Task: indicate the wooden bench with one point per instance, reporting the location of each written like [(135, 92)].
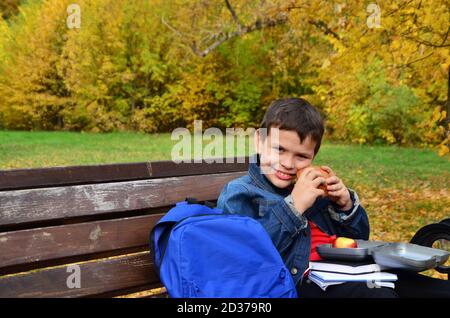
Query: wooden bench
[(95, 219), (98, 219)]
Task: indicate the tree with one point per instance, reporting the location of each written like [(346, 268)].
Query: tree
[(32, 93), (156, 65)]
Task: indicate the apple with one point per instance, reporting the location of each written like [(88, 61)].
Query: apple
[(324, 174), (344, 242)]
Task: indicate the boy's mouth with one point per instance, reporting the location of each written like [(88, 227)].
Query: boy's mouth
[(283, 176)]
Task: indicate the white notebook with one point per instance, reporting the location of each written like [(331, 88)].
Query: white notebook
[(324, 285), (327, 277), (346, 268)]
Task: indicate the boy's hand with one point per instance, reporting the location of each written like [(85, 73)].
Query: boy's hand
[(337, 191), (306, 190)]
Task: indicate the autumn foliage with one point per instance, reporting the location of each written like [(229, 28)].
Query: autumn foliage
[(156, 65)]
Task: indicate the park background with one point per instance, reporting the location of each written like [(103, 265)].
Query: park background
[(106, 81)]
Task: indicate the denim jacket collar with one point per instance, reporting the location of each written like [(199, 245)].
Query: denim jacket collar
[(254, 171)]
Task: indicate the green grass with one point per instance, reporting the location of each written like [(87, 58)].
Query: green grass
[(46, 149)]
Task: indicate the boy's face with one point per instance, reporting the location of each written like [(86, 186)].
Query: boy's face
[(282, 154)]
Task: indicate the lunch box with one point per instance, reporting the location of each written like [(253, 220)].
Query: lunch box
[(404, 256), (360, 253), (409, 256)]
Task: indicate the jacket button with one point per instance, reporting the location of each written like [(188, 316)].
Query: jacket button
[(294, 271)]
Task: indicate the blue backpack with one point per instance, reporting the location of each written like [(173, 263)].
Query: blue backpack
[(201, 252)]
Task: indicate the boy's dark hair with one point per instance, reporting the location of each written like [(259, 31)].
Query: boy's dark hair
[(295, 114)]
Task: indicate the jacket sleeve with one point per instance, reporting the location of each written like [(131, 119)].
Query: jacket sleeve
[(352, 223), (282, 225)]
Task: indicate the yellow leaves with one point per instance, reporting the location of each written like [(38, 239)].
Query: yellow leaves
[(396, 214), (388, 136), (421, 68), (393, 5), (409, 10), (337, 44), (326, 63), (444, 146), (362, 140), (438, 115), (363, 40), (127, 76), (443, 150), (396, 44)]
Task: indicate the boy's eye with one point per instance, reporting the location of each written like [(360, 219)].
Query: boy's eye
[(277, 149)]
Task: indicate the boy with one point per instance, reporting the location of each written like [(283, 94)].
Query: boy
[(297, 216)]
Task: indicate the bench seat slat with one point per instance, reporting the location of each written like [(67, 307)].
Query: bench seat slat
[(97, 277), (24, 206), (42, 244)]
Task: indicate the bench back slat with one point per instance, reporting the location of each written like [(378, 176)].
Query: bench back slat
[(23, 206), (15, 179)]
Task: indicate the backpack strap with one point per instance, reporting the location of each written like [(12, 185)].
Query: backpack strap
[(160, 233), (209, 204)]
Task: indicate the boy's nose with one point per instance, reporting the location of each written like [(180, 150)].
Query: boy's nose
[(287, 163)]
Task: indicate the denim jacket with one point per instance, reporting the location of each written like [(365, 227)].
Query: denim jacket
[(255, 196)]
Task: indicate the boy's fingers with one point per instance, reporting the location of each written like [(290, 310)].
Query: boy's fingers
[(329, 170), (336, 194), (318, 181), (333, 196), (320, 192), (310, 174), (314, 175), (306, 171), (334, 187), (333, 180)]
